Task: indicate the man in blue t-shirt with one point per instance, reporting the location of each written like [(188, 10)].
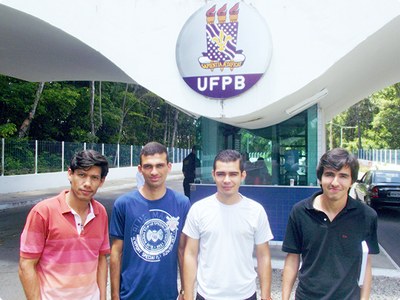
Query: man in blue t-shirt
[(328, 231), (146, 226)]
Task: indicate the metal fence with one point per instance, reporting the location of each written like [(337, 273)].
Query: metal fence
[(387, 156), (31, 157)]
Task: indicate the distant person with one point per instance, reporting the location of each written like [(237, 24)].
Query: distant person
[(249, 167), (263, 176), (327, 230), (222, 232), (145, 228), (189, 166), (65, 239)]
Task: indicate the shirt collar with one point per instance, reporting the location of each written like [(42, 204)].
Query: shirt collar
[(66, 209), (350, 204)]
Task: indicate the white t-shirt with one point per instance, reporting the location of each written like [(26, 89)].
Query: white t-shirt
[(227, 235)]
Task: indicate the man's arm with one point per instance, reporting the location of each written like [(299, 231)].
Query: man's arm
[(115, 267), (264, 269), (190, 267), (366, 287), (181, 250), (29, 278), (102, 276), (292, 263)]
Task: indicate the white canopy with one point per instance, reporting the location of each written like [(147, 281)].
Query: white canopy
[(333, 53)]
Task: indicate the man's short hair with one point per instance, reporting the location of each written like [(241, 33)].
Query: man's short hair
[(229, 155), (153, 148), (88, 158), (336, 159)]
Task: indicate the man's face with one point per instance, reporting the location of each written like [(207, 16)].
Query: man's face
[(336, 184), (154, 169), (227, 177), (84, 183)]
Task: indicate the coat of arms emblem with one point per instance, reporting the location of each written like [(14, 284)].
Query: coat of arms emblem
[(221, 37)]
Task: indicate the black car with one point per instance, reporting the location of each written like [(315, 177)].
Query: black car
[(379, 188)]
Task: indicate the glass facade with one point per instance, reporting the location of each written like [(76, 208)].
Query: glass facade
[(282, 154)]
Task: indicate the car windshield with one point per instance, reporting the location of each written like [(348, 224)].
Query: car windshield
[(387, 177)]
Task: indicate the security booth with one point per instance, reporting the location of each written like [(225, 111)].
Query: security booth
[(280, 162)]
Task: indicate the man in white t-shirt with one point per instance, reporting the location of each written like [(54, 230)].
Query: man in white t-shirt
[(223, 230)]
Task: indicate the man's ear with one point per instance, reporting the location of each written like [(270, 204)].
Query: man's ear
[(69, 174), (244, 174), (102, 181)]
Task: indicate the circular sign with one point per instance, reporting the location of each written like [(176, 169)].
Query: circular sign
[(223, 49)]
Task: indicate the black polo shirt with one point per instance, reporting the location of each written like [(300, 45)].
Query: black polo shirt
[(330, 251)]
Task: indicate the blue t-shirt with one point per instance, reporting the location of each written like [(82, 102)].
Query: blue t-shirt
[(150, 231)]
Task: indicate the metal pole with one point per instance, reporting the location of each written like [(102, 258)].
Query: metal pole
[(117, 155), (3, 144), (131, 155), (341, 137), (36, 156), (62, 156)]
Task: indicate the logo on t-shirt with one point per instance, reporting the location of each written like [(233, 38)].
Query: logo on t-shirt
[(156, 236)]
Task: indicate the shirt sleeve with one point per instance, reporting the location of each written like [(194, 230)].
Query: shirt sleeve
[(105, 247), (191, 228), (33, 236), (117, 223), (291, 240), (372, 240), (263, 233)]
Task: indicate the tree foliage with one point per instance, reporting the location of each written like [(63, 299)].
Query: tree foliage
[(376, 120), (105, 112), (110, 113)]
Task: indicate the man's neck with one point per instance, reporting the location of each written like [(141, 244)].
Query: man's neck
[(229, 200), (153, 193), (330, 208), (81, 207)]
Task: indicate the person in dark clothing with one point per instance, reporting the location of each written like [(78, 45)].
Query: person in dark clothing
[(332, 235), (189, 165)]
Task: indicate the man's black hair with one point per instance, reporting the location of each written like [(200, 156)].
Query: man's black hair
[(88, 158), (336, 159), (153, 148), (229, 155)]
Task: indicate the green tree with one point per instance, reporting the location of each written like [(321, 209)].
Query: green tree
[(385, 127), (105, 112), (376, 119)]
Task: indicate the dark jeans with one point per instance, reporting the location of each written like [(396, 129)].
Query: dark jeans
[(200, 297), (186, 185)]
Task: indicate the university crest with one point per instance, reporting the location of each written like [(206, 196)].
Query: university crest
[(221, 37)]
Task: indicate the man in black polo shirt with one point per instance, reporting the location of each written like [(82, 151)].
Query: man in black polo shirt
[(328, 230)]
